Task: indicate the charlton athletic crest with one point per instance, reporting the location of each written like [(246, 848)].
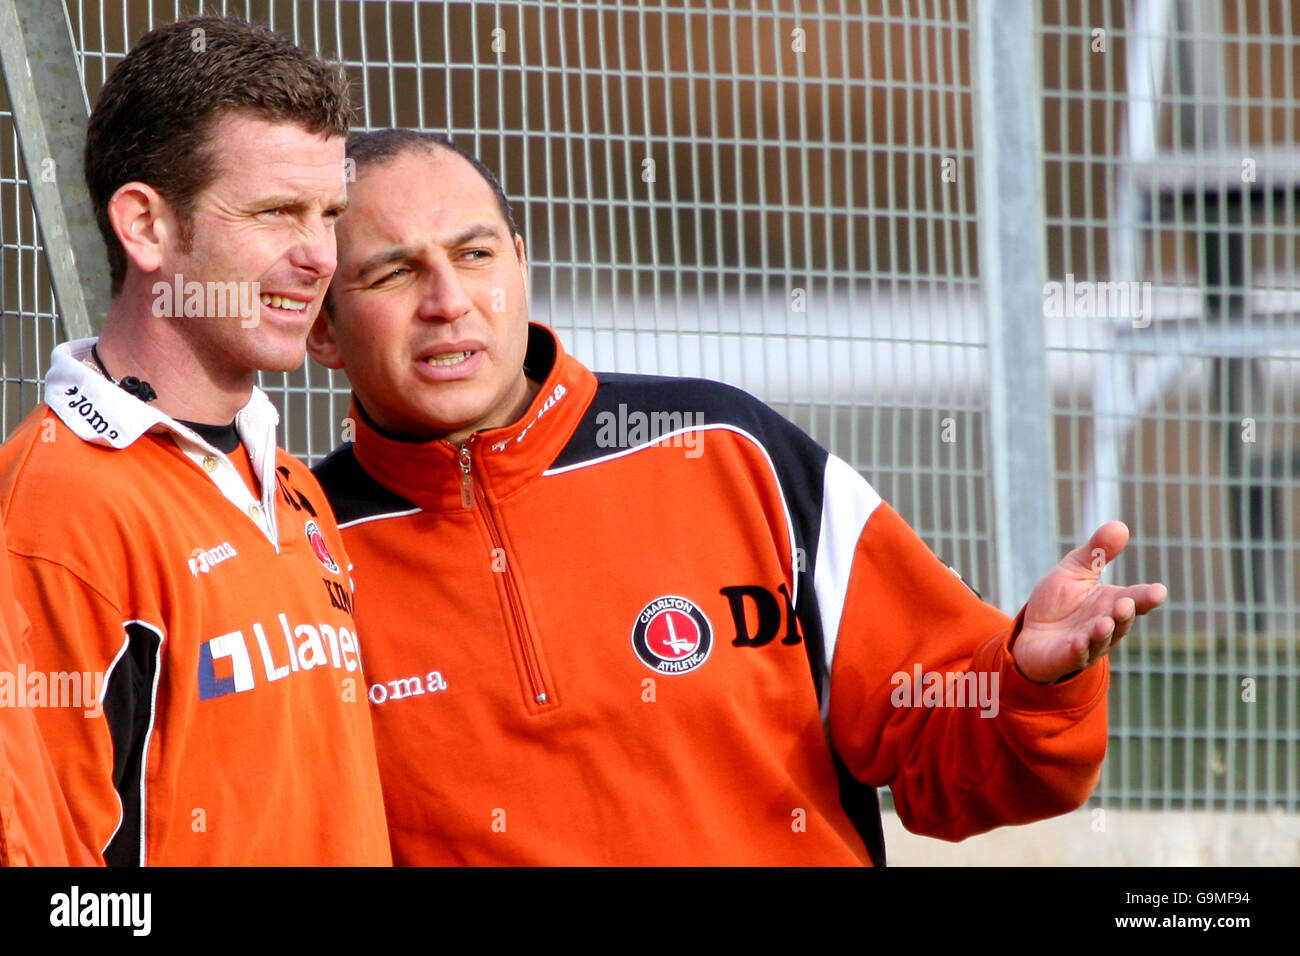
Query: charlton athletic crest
[(317, 542), (672, 636)]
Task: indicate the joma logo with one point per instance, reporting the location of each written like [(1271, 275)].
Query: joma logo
[(83, 407), (430, 683), (201, 562)]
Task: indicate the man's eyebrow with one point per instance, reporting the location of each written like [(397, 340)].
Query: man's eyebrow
[(398, 253), (277, 201), (295, 202), (479, 231), (385, 257)]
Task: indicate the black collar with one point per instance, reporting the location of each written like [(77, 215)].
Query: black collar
[(224, 438)]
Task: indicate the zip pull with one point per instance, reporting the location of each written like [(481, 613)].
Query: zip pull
[(466, 479)]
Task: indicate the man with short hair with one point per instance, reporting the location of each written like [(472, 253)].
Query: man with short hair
[(622, 619), (161, 542)]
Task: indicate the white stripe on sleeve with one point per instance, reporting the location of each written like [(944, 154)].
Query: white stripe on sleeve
[(847, 502)]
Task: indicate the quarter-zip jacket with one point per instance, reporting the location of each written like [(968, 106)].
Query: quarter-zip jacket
[(229, 725), (665, 627)]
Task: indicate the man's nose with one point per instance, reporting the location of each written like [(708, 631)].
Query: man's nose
[(443, 296), (316, 250)]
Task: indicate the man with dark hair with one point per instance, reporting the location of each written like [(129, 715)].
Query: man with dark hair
[(157, 118), (384, 144), (162, 544), (634, 620)]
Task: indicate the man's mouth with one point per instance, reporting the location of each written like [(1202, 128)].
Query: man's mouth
[(447, 358), (283, 302)]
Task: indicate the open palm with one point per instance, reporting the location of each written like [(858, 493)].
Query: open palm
[(1072, 620)]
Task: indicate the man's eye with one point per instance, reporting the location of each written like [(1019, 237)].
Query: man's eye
[(392, 274)]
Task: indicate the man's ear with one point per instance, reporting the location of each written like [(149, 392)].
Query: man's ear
[(523, 262), (320, 341), (144, 223)]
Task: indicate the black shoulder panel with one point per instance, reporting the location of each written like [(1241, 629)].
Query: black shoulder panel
[(352, 493)]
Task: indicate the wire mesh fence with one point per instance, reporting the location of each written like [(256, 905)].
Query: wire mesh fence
[(29, 330), (780, 200), (785, 199), (1173, 174)]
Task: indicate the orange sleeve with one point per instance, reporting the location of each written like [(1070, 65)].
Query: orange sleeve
[(926, 699), (36, 828), (75, 630)]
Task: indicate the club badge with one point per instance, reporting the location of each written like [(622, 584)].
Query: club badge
[(317, 542), (672, 636)]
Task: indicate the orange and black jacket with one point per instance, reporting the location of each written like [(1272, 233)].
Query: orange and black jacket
[(652, 622), (229, 725)]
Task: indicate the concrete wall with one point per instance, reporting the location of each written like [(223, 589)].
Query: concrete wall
[(1097, 837)]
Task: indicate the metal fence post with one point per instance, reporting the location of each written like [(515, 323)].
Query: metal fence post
[(50, 111), (1011, 236)]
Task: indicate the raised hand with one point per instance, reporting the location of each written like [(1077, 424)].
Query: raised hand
[(1072, 620)]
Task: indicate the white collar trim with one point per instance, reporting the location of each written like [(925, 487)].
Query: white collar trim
[(100, 412)]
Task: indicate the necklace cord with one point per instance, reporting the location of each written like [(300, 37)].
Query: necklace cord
[(131, 385)]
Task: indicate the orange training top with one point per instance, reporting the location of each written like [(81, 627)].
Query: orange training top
[(652, 622), (216, 623), (35, 826)]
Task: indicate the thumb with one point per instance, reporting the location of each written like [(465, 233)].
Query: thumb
[(1105, 545)]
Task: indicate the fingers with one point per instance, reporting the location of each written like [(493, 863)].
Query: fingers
[(1101, 637), (1144, 597), (1110, 629), (1105, 632), (1123, 615), (1153, 597)]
